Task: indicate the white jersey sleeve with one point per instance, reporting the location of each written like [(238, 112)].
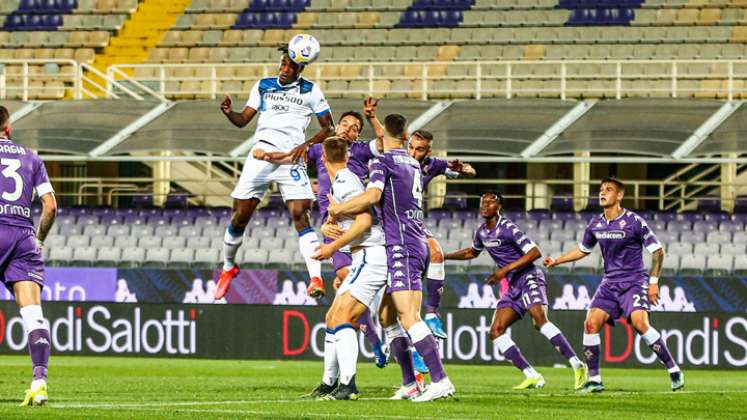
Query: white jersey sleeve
[(318, 102), (255, 98)]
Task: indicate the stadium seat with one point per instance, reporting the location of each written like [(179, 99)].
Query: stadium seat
[(78, 241), (60, 256), (206, 258), (183, 257), (255, 256), (198, 242), (84, 256), (156, 257), (719, 265), (147, 242), (692, 264), (108, 257), (588, 265)]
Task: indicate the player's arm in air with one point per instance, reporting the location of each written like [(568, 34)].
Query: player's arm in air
[(459, 169), (369, 111), (584, 248), (468, 253), (279, 158), (240, 119), (362, 223)]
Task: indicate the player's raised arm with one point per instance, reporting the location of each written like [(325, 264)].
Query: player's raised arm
[(369, 110), (239, 119), (280, 158), (462, 169), (363, 222)]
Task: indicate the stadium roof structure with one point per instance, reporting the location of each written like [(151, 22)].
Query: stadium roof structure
[(489, 130)]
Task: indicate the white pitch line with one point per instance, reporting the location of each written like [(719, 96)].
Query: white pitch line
[(191, 403)]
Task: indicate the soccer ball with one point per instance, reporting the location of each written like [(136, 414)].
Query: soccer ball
[(303, 49)]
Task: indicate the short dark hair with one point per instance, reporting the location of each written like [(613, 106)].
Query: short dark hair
[(4, 117), (354, 114), (335, 149), (395, 125), (613, 180), (424, 134), (498, 196), (284, 53)]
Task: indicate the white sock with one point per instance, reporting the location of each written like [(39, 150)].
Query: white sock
[(37, 383), (550, 330), (393, 331), (436, 271), (430, 315), (651, 336), (33, 318), (347, 355), (331, 368), (531, 373), (308, 241), (419, 332), (231, 243)]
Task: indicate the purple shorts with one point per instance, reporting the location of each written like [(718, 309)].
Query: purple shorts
[(526, 291), (622, 297), (407, 264), (339, 259), (20, 259)]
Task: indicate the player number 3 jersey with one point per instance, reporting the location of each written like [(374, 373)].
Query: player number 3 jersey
[(285, 110), (21, 172)]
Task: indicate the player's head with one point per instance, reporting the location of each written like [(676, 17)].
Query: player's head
[(4, 121), (350, 126), (289, 70), (419, 145), (490, 204), (334, 152), (611, 192), (395, 126)]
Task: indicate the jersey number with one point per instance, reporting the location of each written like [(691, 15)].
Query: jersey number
[(417, 188), (11, 171)]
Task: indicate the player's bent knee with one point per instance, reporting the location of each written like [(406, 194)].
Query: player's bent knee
[(592, 327), (497, 330)]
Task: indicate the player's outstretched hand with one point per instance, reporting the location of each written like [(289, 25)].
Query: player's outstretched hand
[(653, 294), (332, 208), (299, 152), (456, 165), (548, 261), (225, 106), (369, 107), (331, 230), (260, 154), (324, 252)]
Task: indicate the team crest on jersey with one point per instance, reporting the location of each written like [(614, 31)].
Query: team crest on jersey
[(622, 224)]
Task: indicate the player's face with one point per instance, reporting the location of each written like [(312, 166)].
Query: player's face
[(348, 128), (418, 148), (289, 71), (609, 195), (489, 206)]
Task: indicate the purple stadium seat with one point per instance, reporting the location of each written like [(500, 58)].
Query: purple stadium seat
[(539, 214), (690, 216), (439, 214), (110, 219), (134, 219), (88, 220), (731, 226), (260, 5), (665, 216), (151, 211), (720, 216), (125, 212), (456, 200), (705, 226), (159, 220), (246, 20)]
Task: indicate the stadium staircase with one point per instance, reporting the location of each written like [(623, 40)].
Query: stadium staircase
[(141, 32)]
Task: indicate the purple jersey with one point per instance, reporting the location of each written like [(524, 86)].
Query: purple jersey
[(21, 172), (359, 152), (432, 167), (621, 241), (505, 243), (397, 175)]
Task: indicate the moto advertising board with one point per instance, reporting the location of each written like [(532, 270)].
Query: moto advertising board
[(696, 340)]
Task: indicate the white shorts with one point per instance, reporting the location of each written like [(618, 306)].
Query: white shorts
[(256, 176), (367, 276)]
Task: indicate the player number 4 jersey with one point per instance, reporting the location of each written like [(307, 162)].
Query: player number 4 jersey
[(285, 110), (345, 187)]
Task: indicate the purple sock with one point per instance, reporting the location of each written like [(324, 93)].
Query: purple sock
[(517, 359), (400, 348), (428, 349), (562, 346), (591, 353), (367, 327), (661, 350), (435, 289), (39, 346)]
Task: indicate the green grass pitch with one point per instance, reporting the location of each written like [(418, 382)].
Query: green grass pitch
[(108, 387)]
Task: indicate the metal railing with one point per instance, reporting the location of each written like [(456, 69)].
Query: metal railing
[(105, 191), (455, 79)]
